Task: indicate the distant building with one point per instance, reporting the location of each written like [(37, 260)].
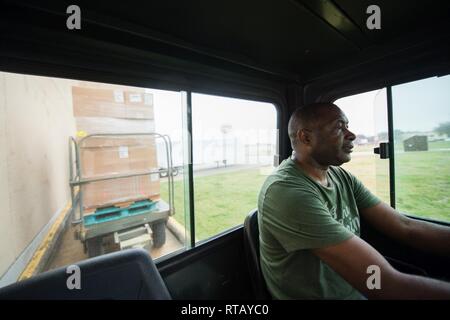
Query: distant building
[(416, 143), (361, 140)]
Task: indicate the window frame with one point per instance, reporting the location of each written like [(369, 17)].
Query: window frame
[(391, 141)]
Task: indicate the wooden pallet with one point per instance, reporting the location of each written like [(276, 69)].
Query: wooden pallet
[(123, 204), (113, 213)]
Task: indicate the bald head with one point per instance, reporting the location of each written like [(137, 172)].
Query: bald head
[(307, 117)]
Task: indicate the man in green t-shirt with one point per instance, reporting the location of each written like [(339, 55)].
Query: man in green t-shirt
[(308, 213)]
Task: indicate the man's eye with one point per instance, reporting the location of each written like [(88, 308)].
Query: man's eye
[(342, 125)]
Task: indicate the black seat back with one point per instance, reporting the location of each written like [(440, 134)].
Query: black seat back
[(251, 244), (128, 274)]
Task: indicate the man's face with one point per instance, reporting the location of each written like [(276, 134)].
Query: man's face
[(331, 142)]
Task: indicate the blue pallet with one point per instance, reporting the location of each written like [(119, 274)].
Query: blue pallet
[(112, 213)]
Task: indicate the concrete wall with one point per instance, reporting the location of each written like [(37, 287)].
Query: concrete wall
[(36, 120)]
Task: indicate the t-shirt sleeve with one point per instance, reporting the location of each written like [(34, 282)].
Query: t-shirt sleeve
[(363, 197), (299, 219)]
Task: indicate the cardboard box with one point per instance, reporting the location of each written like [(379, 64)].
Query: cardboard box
[(124, 104), (116, 157), (110, 192), (102, 161), (101, 108)]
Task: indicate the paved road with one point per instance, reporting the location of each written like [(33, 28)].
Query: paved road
[(214, 170)]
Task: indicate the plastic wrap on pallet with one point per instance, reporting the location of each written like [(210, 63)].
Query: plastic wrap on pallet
[(107, 109), (92, 125), (117, 141)]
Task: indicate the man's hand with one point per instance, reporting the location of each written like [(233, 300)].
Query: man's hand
[(421, 235), (351, 259)]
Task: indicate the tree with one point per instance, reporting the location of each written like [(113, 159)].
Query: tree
[(443, 128)]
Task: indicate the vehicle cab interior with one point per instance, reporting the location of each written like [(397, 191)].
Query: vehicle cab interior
[(277, 54)]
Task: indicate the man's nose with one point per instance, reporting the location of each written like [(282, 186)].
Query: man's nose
[(350, 135)]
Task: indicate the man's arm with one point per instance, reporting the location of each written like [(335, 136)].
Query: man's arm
[(421, 235), (351, 258)]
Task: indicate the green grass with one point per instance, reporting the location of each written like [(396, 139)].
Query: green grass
[(422, 179), (221, 201), (422, 188), (423, 183), (439, 145)]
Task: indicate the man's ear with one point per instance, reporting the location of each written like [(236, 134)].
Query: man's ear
[(304, 136)]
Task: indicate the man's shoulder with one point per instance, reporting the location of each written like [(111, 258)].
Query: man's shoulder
[(339, 170), (285, 181), (342, 174)]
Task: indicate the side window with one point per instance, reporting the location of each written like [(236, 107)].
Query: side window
[(421, 124), (84, 169), (109, 143), (367, 115), (234, 146), (421, 117)]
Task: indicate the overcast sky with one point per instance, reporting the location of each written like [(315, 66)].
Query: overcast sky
[(417, 106), (246, 119)]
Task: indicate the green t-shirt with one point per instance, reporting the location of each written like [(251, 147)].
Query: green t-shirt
[(297, 214)]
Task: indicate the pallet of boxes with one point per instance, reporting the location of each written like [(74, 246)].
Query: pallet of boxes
[(124, 210)]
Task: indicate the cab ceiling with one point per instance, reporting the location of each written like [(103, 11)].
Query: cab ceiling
[(297, 41)]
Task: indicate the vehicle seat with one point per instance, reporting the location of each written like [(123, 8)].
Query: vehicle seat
[(128, 274), (251, 245)]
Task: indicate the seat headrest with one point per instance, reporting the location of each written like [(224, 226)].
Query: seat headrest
[(128, 274)]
